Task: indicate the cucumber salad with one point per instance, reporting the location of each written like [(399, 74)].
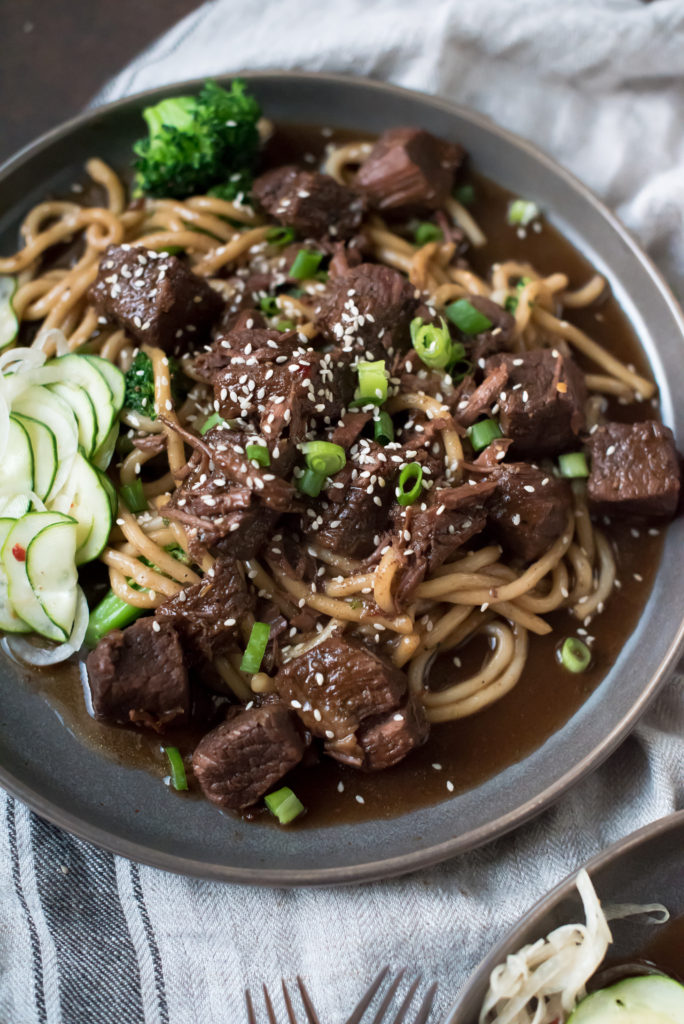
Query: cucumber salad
[(58, 428), (545, 982)]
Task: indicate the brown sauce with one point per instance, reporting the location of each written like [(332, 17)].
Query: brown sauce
[(473, 749), (663, 954)]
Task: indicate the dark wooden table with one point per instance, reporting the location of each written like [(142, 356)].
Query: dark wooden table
[(54, 56)]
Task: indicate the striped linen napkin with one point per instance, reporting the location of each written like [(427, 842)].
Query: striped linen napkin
[(88, 938)]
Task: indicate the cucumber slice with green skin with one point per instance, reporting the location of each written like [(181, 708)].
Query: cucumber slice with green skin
[(42, 404), (9, 620), (58, 565), (44, 445), (16, 468), (648, 999), (51, 570), (9, 325), (88, 501), (81, 404), (12, 506), (110, 490), (114, 377), (103, 456), (80, 372)]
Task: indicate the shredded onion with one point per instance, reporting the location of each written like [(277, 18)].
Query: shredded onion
[(46, 339), (40, 657)]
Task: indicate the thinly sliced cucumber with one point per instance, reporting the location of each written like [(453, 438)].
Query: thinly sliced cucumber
[(81, 404), (647, 999), (51, 570), (9, 620), (12, 506), (110, 490), (44, 445), (9, 325), (103, 456), (114, 377), (16, 468), (87, 499), (80, 372), (59, 554), (42, 404)]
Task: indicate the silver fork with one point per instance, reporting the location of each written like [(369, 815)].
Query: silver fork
[(387, 1005), (311, 1014)]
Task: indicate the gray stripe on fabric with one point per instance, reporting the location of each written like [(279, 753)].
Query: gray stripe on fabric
[(36, 957), (99, 974), (152, 943)]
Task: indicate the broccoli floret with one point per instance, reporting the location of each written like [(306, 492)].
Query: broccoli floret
[(199, 143), (139, 378)]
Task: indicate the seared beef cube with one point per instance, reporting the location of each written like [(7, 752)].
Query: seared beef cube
[(313, 204), (409, 169), (239, 340), (337, 684), (206, 614), (498, 337), (367, 311), (542, 405), (138, 675), (634, 470), (529, 510), (386, 741), (240, 760), (155, 297)]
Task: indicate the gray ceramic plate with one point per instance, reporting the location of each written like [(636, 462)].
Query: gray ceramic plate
[(645, 867), (125, 810)]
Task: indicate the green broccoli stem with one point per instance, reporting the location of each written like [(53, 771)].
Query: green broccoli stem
[(111, 613)]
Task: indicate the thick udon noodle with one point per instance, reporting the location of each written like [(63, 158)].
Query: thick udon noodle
[(477, 593)]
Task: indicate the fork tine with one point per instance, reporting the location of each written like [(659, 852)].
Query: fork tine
[(403, 1009), (269, 1008), (366, 998), (426, 1006), (288, 1004), (389, 996), (251, 1018), (308, 1005)]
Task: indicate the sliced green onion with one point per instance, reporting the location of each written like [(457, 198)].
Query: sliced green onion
[(372, 382), (573, 465), (133, 496), (280, 236), (511, 303), (383, 428), (324, 457), (295, 293), (305, 265), (410, 484), (522, 212), (284, 805), (482, 433), (111, 613), (256, 648), (311, 482), (433, 344), (321, 275), (426, 232), (213, 421), (179, 779), (467, 318), (268, 305), (260, 454), (575, 655), (285, 325), (464, 194)]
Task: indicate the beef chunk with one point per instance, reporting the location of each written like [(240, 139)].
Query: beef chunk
[(155, 297), (542, 406), (634, 470), (367, 311), (239, 761), (382, 742), (409, 169), (498, 337), (138, 675), (336, 685), (313, 204), (202, 615), (529, 509), (239, 340)]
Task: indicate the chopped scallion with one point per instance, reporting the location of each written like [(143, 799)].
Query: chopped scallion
[(284, 805), (372, 382), (383, 428), (426, 232), (256, 648), (179, 779), (511, 303), (482, 433), (285, 325), (311, 482), (575, 655), (111, 613), (305, 265), (410, 484), (280, 236), (573, 465), (213, 421), (324, 457), (133, 496), (467, 318), (434, 345), (268, 305), (464, 194), (258, 453), (522, 212)]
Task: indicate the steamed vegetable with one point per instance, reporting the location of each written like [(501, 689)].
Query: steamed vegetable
[(198, 144)]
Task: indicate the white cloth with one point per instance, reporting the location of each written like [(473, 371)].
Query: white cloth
[(599, 85)]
